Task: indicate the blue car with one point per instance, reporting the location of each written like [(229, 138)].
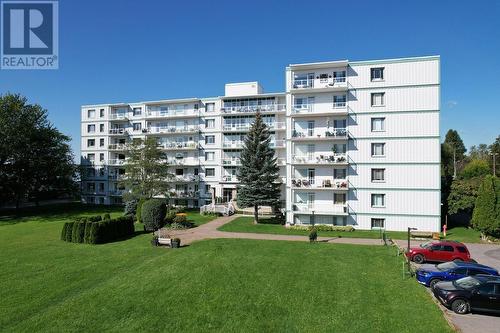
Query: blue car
[(429, 275)]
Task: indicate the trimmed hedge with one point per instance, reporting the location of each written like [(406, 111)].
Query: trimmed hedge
[(95, 230), (138, 213), (153, 214)]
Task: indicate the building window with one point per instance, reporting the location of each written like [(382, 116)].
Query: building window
[(210, 107), (339, 101), (91, 158), (101, 113), (323, 78), (91, 187), (377, 74), (378, 99), (210, 139), (91, 128), (101, 187), (90, 143), (378, 175), (90, 113), (378, 200), (101, 157), (179, 172), (339, 198), (210, 172), (137, 126), (339, 148), (209, 156), (196, 171), (101, 128), (209, 123), (378, 223), (101, 142), (378, 124), (137, 111), (339, 173), (378, 149)]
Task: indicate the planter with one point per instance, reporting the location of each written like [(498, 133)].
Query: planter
[(175, 243)]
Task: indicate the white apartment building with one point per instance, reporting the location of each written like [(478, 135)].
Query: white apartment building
[(357, 143)]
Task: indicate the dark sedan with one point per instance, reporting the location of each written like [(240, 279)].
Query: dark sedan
[(480, 293)]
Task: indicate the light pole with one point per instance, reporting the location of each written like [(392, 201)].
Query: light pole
[(409, 231), (494, 163)]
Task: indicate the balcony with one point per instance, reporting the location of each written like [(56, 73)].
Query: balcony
[(116, 162), (231, 161), (184, 194), (117, 146), (186, 178), (325, 184), (233, 144), (179, 146), (333, 134), (278, 144), (183, 161), (230, 179), (118, 116), (306, 110), (249, 109), (320, 209), (116, 177), (156, 113), (116, 192), (245, 127), (313, 159), (323, 84), (173, 130), (118, 131)]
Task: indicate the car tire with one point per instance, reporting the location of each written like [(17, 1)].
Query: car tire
[(418, 258), (433, 282), (460, 306)]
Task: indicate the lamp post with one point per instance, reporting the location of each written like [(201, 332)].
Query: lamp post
[(494, 163), (409, 231)]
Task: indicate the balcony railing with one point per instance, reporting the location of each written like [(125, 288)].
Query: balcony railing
[(318, 83), (116, 192), (254, 108), (232, 144), (116, 177), (118, 131), (152, 113), (173, 130), (116, 161), (179, 145), (278, 144), (118, 116), (334, 133), (229, 178), (231, 161), (307, 183), (320, 209), (320, 159), (312, 108), (187, 178), (246, 127), (183, 161), (117, 146), (184, 194)]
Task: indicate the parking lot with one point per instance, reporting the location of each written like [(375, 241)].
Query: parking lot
[(486, 254)]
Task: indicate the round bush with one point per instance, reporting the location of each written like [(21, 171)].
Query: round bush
[(180, 219), (153, 214), (131, 207)]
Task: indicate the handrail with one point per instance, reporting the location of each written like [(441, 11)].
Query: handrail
[(254, 108)]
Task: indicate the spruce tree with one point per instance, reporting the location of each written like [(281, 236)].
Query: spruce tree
[(485, 217), (259, 172)]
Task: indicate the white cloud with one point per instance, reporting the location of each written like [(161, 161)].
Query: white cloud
[(451, 104)]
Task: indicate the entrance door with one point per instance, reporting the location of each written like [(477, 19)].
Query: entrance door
[(227, 194)]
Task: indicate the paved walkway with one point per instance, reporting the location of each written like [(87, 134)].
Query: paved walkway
[(209, 231)]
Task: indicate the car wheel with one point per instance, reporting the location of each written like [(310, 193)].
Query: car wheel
[(433, 282), (460, 306), (418, 258)]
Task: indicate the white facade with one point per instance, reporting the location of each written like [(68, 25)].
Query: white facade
[(357, 143)]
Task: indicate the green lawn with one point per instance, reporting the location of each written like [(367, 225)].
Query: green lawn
[(194, 216), (217, 285)]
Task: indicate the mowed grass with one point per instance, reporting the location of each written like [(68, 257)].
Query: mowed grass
[(218, 285), (194, 216)]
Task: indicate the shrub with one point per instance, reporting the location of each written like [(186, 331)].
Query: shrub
[(86, 233), (486, 215), (180, 219), (153, 214), (177, 226), (131, 207), (78, 232), (138, 214), (69, 231), (169, 218), (107, 217), (110, 230), (313, 235), (63, 231), (95, 218), (180, 209)]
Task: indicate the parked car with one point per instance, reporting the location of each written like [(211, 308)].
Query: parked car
[(439, 251), (429, 274), (480, 293)]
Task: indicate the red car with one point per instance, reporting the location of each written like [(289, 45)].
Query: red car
[(439, 251)]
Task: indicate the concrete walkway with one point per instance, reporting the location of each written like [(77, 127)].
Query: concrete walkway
[(209, 231)]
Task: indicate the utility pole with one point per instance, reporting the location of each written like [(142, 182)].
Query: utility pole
[(494, 163)]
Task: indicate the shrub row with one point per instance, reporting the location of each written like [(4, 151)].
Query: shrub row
[(322, 227), (95, 230)]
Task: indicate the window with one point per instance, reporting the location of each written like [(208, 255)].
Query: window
[(210, 172), (90, 143), (475, 271), (378, 124), (91, 187), (137, 126), (378, 200), (461, 249), (179, 172), (101, 187), (91, 128), (209, 156), (210, 107), (323, 78), (378, 149), (378, 99), (90, 113), (101, 142), (339, 198), (91, 158), (101, 157), (461, 271), (210, 139), (377, 74), (436, 247), (339, 148), (101, 113), (448, 248), (378, 223), (488, 289), (339, 101), (196, 172), (378, 175), (137, 111), (210, 123), (339, 173), (101, 128)]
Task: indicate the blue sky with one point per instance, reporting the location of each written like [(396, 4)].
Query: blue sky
[(114, 51)]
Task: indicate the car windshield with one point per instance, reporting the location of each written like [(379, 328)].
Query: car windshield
[(425, 245), (466, 282), (446, 266)]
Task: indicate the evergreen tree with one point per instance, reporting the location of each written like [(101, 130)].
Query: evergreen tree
[(259, 172), (146, 170), (453, 139), (486, 217)]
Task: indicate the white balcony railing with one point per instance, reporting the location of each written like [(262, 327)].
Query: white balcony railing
[(118, 116), (254, 108), (187, 178), (306, 183), (173, 130), (155, 113), (278, 144), (183, 161), (116, 161), (318, 83), (246, 127), (179, 145), (320, 209), (331, 133), (229, 178), (231, 161), (320, 159), (118, 131), (184, 194), (339, 105), (232, 144), (117, 146), (312, 108)]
